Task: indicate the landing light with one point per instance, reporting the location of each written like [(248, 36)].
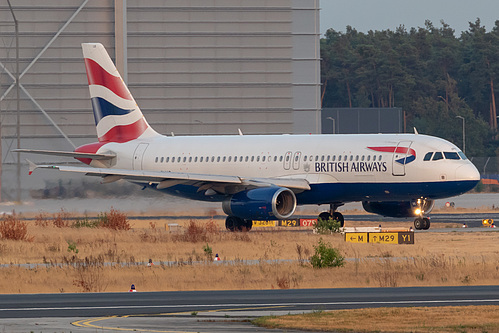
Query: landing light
[(417, 211)]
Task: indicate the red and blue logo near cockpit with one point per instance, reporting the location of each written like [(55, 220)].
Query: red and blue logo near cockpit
[(410, 154)]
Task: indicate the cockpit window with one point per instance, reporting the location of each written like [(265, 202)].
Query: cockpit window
[(427, 157), (451, 155), (462, 155), (438, 156)]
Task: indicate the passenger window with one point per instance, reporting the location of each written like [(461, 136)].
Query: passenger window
[(218, 159), (178, 159), (252, 158), (190, 159), (280, 158), (339, 157), (322, 158), (345, 158), (258, 158), (225, 157), (379, 158), (201, 159), (316, 158), (195, 159), (351, 157), (275, 158), (328, 158), (450, 155), (230, 158), (240, 158), (437, 156), (362, 158), (374, 157), (428, 156), (263, 158), (305, 158), (246, 159), (334, 158), (185, 158), (162, 158), (368, 157), (357, 157), (212, 159)]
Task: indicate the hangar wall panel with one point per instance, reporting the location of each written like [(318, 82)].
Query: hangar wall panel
[(194, 67)]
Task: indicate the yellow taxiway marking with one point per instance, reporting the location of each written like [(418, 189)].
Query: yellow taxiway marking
[(90, 323)]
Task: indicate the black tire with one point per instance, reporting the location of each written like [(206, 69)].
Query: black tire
[(418, 223), (248, 224), (325, 216), (339, 217), (230, 223), (426, 223)]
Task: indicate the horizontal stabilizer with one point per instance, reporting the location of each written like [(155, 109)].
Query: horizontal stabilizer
[(66, 154)]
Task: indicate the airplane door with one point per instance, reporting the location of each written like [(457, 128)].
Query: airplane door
[(399, 159), (296, 160), (138, 155), (287, 160)]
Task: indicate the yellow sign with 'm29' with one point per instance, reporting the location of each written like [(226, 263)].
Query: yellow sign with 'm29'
[(384, 237)]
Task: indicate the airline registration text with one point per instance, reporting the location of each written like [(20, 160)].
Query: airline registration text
[(350, 167)]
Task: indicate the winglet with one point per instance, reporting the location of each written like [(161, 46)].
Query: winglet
[(32, 166)]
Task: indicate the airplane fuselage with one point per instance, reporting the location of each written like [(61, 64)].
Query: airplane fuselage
[(339, 168)]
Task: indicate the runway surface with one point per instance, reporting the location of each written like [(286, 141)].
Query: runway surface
[(213, 311)]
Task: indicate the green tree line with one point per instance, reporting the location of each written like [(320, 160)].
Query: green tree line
[(429, 72)]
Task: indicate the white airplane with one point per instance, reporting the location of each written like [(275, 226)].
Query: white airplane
[(264, 177)]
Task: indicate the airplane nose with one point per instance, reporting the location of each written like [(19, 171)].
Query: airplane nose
[(467, 172)]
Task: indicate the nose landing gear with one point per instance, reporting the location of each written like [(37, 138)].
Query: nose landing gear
[(421, 222)]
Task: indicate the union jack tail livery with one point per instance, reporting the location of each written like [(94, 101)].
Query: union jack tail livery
[(117, 116)]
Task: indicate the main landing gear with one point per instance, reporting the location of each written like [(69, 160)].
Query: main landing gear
[(333, 214), (234, 223)]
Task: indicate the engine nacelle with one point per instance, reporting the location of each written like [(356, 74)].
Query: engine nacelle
[(261, 203), (399, 208)]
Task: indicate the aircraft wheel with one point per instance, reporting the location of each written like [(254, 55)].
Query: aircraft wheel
[(248, 224), (426, 223), (339, 217), (231, 222), (325, 216), (418, 223)]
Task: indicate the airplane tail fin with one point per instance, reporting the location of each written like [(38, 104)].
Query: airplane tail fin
[(117, 116)]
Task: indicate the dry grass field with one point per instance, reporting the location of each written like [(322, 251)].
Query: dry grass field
[(469, 319), (102, 259)]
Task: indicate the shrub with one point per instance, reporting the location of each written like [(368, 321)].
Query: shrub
[(114, 220), (326, 256), (328, 226), (14, 229), (208, 252), (61, 219)]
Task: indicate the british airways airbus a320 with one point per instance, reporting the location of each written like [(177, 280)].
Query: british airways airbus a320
[(265, 176)]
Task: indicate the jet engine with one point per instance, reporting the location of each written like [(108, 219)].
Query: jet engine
[(399, 208), (261, 203)]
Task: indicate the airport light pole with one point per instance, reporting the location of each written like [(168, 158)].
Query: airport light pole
[(464, 134), (334, 124), (18, 123)]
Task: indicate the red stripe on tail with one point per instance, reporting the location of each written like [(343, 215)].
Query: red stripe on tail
[(125, 133), (99, 76)]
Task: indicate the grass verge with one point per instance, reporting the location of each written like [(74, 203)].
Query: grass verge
[(466, 319)]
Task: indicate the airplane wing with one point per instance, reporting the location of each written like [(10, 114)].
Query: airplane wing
[(66, 154), (163, 179)]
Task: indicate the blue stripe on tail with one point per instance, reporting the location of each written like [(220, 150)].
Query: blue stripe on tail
[(103, 108)]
